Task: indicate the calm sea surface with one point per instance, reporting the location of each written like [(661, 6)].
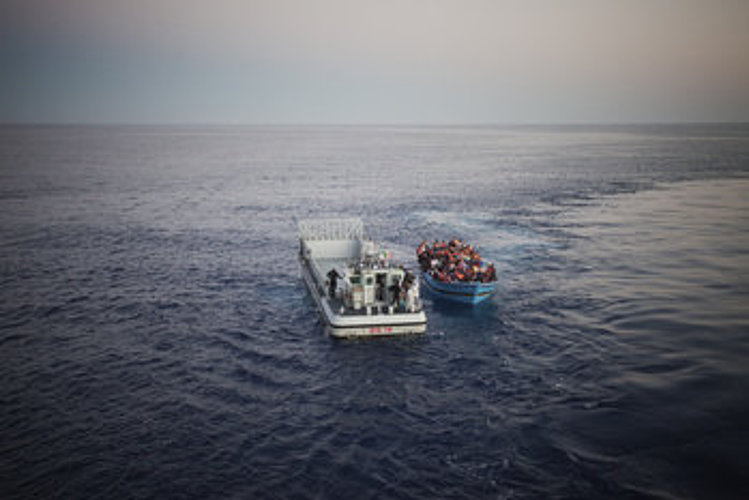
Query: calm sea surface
[(156, 339)]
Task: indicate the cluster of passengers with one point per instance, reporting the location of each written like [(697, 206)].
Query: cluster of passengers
[(454, 261), (404, 293)]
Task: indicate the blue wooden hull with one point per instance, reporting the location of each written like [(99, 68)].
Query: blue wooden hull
[(463, 292)]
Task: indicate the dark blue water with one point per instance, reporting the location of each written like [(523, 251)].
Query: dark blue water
[(157, 340)]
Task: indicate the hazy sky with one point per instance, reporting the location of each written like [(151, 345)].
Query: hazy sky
[(377, 61)]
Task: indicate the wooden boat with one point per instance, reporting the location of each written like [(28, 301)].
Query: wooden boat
[(455, 271), (466, 292)]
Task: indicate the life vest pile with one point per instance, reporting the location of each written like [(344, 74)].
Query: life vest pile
[(454, 261)]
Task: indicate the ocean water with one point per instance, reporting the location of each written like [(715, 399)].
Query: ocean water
[(157, 341)]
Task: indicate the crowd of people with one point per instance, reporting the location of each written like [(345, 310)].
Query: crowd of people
[(454, 261)]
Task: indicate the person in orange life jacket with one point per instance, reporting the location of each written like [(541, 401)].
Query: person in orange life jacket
[(422, 248), (491, 274), (471, 274)]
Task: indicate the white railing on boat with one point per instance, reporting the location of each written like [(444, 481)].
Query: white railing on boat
[(331, 229)]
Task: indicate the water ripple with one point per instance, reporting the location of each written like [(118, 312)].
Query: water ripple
[(158, 342)]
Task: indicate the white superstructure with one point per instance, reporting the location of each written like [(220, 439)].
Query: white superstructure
[(371, 294)]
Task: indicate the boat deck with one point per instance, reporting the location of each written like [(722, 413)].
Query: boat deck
[(323, 267), (382, 310)]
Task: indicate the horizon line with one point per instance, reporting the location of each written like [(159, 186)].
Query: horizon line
[(53, 123)]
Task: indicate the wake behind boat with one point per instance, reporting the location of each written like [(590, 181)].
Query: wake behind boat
[(455, 271)]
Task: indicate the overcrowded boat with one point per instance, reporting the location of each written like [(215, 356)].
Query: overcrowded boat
[(454, 270), (358, 288)]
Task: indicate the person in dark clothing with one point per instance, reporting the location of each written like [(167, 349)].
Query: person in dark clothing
[(395, 293), (333, 282)]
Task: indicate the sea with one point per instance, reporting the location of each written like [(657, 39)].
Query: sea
[(157, 340)]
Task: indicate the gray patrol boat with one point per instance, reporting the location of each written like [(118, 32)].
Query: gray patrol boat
[(358, 289)]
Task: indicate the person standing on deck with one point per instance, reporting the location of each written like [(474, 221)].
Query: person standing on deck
[(333, 282), (395, 292)]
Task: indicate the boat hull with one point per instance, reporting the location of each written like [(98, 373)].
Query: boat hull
[(462, 292)]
